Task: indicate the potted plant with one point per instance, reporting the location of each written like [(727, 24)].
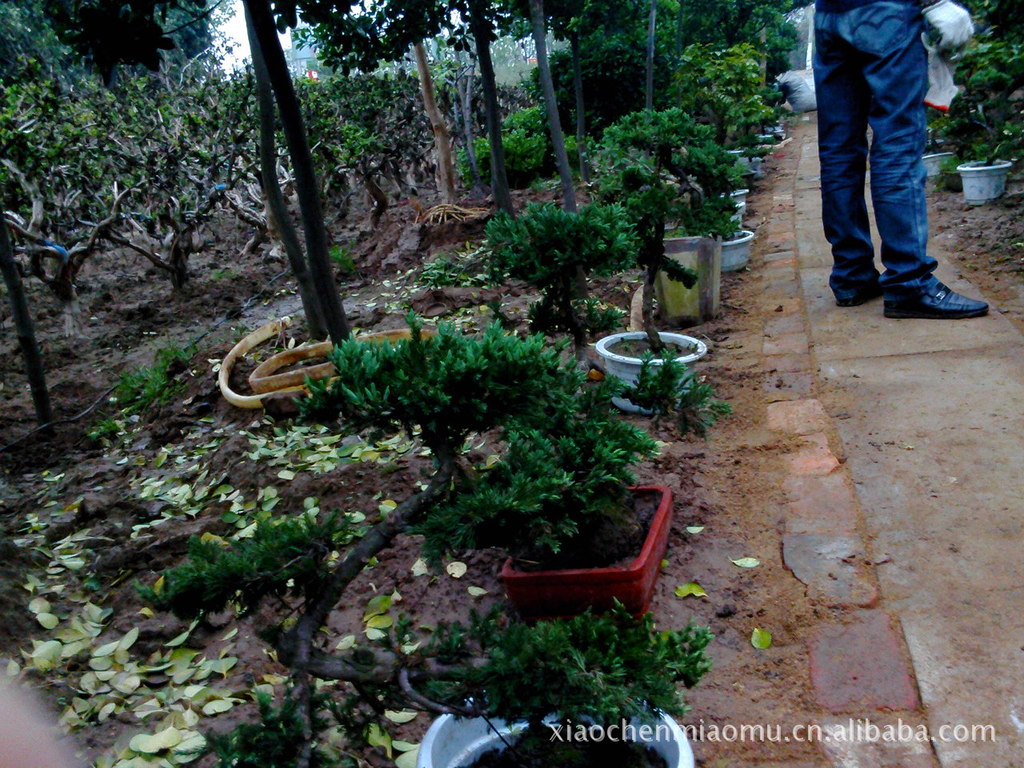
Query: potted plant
[(663, 167), (444, 390), (555, 250), (984, 121)]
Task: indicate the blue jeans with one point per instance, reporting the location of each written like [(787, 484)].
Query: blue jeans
[(870, 69)]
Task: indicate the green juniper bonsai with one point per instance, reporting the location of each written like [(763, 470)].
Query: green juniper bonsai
[(443, 388), (665, 169), (551, 249)]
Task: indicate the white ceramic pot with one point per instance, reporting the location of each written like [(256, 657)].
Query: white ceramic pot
[(453, 742), (627, 368), (739, 196), (736, 251), (983, 183), (933, 163)]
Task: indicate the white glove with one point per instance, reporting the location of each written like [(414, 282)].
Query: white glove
[(951, 22), (941, 88)]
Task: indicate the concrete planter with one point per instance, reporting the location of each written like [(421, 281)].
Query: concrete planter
[(681, 306), (982, 182), (453, 742)]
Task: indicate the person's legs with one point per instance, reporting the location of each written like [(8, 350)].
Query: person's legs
[(896, 73), (843, 105)]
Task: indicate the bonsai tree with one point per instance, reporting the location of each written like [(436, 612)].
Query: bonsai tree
[(559, 491), (445, 389), (664, 168), (550, 248)]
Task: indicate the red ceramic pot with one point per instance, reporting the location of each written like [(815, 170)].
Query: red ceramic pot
[(560, 593)]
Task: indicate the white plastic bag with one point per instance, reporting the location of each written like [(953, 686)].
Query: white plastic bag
[(798, 88)]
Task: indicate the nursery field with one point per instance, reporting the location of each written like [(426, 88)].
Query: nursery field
[(461, 387), (88, 519)]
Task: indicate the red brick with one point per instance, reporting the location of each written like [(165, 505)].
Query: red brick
[(860, 666), (834, 567), (798, 417), (814, 458), (826, 504)]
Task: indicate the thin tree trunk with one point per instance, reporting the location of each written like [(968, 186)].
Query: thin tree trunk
[(680, 29), (649, 89), (24, 328), (442, 142), (551, 106), (466, 107), (481, 31), (581, 115), (276, 206), (302, 163)]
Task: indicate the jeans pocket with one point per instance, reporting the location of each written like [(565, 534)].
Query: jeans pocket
[(880, 28)]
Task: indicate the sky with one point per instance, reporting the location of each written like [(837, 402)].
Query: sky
[(234, 31)]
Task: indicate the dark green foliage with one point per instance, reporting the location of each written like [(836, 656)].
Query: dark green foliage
[(455, 269), (671, 390), (153, 386), (1004, 19), (725, 23), (986, 120), (548, 248), (552, 484), (112, 32), (601, 667), (667, 171), (273, 742), (613, 58), (529, 155), (723, 89), (449, 385), (284, 556), (363, 123)]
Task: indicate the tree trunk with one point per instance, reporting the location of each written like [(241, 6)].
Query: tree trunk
[(277, 209), (466, 106), (442, 142), (481, 31), (581, 115), (302, 163), (551, 106), (24, 328), (649, 89), (680, 29)]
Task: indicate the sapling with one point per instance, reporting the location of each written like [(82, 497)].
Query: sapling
[(671, 390), (443, 389)]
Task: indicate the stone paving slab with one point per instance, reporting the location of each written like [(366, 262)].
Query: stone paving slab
[(859, 332), (930, 416), (970, 679)]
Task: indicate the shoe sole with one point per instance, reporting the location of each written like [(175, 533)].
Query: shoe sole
[(856, 301), (910, 313)]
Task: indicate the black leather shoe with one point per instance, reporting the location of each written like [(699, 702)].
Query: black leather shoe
[(867, 293), (941, 303)]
